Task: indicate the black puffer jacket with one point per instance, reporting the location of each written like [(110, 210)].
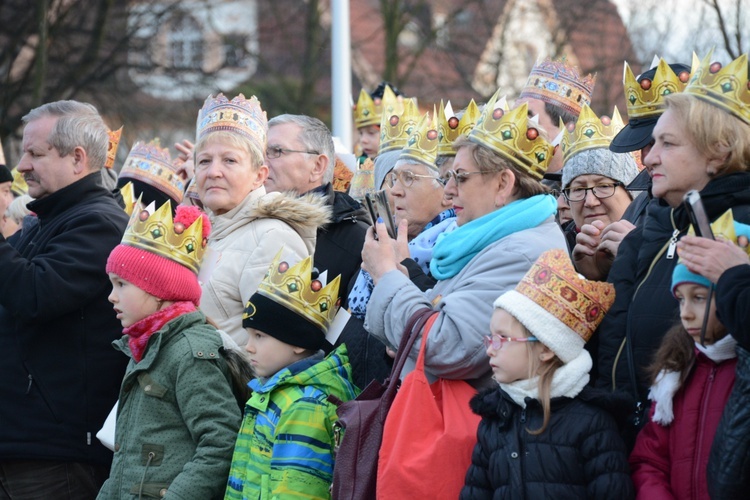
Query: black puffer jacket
[(642, 275), (580, 454)]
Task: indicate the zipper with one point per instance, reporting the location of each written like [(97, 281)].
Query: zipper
[(673, 244), (701, 428)]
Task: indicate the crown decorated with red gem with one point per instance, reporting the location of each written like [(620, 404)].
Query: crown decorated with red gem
[(422, 144), (559, 83), (450, 127), (590, 132), (646, 98), (726, 87), (296, 289), (512, 135), (114, 141), (157, 232), (152, 164), (367, 110), (241, 116), (397, 125)]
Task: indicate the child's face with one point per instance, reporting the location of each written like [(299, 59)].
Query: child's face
[(268, 355), (369, 139), (130, 302), (692, 299), (511, 361)]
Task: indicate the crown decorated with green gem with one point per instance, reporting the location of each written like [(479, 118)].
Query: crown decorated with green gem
[(513, 136), (450, 127), (156, 232), (590, 132), (422, 145), (399, 120), (726, 87), (152, 164), (240, 115), (646, 98), (296, 289), (368, 110)]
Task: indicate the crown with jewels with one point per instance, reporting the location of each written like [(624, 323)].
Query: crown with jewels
[(156, 232), (422, 144), (559, 83), (294, 288), (450, 127), (397, 125), (128, 197), (726, 87), (512, 135), (590, 132), (152, 164), (368, 110), (114, 141), (646, 98), (241, 116)]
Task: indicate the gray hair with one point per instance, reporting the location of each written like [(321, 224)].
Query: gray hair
[(79, 125), (17, 209), (314, 136)]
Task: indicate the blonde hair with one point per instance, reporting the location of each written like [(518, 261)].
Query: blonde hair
[(235, 140), (713, 131)]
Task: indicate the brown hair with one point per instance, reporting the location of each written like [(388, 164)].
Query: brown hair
[(546, 371), (676, 353)]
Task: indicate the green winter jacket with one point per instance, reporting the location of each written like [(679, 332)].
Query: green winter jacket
[(285, 445), (177, 418)]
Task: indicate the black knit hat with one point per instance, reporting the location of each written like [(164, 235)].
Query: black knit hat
[(5, 175)]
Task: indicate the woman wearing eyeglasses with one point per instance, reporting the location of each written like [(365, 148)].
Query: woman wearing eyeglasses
[(249, 225)]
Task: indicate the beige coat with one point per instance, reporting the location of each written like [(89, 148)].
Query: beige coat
[(245, 240)]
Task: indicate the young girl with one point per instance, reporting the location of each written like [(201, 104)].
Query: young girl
[(544, 433), (691, 385), (177, 418)]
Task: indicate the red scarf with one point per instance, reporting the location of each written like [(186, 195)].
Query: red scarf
[(140, 332)]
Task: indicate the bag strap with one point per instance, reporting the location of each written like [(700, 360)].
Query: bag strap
[(411, 332), (426, 330)]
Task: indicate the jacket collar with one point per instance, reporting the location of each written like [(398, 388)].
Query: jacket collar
[(61, 200)]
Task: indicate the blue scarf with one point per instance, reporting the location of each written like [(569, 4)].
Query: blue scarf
[(456, 249)]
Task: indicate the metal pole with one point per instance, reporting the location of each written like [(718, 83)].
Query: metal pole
[(341, 72)]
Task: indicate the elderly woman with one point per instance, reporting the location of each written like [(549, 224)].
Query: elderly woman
[(249, 226), (702, 142), (505, 220)]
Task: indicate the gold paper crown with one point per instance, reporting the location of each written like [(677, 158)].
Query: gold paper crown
[(726, 87), (590, 132), (559, 83), (397, 123), (646, 98), (158, 233), (368, 110), (128, 197), (294, 288), (451, 128), (241, 116), (152, 164), (727, 228), (19, 186), (422, 145), (508, 133), (114, 141)]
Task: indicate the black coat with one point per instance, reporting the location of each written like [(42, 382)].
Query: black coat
[(580, 454), (60, 375)]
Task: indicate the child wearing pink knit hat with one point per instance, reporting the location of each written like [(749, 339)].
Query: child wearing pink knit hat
[(177, 418)]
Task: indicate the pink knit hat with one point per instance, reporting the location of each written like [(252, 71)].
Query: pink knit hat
[(167, 278)]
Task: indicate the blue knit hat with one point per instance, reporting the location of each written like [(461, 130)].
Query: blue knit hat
[(681, 275)]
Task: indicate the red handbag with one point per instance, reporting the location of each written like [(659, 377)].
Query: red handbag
[(428, 439)]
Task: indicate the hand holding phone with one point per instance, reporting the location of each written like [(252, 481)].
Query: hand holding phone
[(377, 205), (697, 213)]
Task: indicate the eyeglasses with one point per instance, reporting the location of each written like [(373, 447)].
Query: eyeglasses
[(497, 341), (459, 177), (601, 191), (406, 177), (277, 152)]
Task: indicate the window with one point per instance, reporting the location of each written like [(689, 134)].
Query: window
[(185, 42)]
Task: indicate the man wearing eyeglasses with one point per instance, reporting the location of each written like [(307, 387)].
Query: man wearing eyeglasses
[(300, 158)]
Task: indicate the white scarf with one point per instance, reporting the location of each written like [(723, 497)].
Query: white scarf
[(568, 381), (668, 382)]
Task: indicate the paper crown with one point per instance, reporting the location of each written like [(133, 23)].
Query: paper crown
[(114, 141), (450, 127), (422, 145), (152, 164), (156, 232), (241, 116), (367, 110), (559, 83), (128, 197), (295, 289), (508, 133), (557, 305), (726, 87), (398, 122), (590, 132), (19, 186), (646, 98)]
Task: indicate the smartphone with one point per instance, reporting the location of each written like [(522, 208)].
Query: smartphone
[(697, 214), (377, 204)]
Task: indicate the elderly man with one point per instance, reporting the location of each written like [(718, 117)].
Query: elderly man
[(59, 375), (300, 158)]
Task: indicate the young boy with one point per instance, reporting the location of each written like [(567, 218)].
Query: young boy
[(285, 444)]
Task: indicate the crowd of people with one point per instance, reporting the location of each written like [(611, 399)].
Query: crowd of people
[(221, 305)]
